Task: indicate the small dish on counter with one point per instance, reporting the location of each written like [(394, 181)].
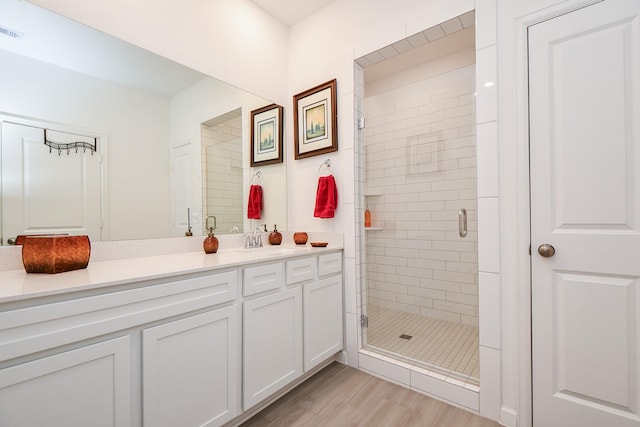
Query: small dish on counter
[(319, 244)]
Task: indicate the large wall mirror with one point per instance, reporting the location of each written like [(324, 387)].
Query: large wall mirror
[(136, 146)]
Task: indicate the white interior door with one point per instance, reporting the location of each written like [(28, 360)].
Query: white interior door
[(584, 77), (182, 173), (44, 192)]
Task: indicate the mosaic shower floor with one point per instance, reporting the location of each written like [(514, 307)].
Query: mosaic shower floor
[(449, 347)]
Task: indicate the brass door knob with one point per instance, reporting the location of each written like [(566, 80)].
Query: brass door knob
[(546, 250)]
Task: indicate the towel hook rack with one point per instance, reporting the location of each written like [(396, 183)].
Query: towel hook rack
[(258, 174), (60, 146), (326, 163)]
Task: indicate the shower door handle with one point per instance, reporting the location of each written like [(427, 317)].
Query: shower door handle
[(462, 222)]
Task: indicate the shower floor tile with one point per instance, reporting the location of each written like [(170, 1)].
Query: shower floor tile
[(449, 347)]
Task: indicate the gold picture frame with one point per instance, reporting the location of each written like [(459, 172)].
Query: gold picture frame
[(315, 121), (266, 135)]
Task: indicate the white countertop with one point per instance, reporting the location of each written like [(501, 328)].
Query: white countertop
[(18, 285)]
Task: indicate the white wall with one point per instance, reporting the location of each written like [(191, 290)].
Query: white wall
[(232, 40), (136, 126), (497, 398)]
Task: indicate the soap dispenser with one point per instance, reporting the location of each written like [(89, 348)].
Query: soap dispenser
[(367, 217), (210, 243), (275, 238)]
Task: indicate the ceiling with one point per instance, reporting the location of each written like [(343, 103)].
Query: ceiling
[(60, 41), (52, 38), (290, 12)]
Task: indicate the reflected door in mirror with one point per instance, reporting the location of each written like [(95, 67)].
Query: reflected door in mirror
[(47, 192)]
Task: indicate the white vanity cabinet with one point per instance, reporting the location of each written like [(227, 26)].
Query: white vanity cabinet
[(140, 355), (272, 350), (85, 386), (189, 370), (272, 332), (165, 348), (293, 326), (321, 280), (322, 309)]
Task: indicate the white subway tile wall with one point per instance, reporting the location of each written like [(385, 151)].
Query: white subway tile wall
[(420, 170), (222, 173)]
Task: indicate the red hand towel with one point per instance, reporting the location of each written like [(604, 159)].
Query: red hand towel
[(326, 197), (255, 202)]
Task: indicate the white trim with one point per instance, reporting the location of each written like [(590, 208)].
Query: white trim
[(508, 417), (524, 415)]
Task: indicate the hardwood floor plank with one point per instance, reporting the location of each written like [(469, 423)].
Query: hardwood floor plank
[(340, 389), (296, 416), (342, 415), (284, 404), (385, 413), (341, 396), (258, 420), (427, 413)]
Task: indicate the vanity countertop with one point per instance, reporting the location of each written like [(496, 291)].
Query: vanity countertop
[(17, 285)]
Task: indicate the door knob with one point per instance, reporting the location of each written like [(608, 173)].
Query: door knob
[(546, 250)]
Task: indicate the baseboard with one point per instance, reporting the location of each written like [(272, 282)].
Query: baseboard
[(508, 417)]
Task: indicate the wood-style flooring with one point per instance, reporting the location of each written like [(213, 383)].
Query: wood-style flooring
[(343, 396)]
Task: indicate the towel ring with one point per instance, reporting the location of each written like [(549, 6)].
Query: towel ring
[(258, 175), (326, 163)]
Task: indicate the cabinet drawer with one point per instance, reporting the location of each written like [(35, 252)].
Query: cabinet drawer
[(33, 329), (262, 278), (329, 264), (300, 270)]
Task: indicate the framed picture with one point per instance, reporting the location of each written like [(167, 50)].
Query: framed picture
[(315, 121), (266, 135)]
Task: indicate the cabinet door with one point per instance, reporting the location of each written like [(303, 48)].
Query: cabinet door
[(88, 386), (322, 320), (190, 370), (272, 344)]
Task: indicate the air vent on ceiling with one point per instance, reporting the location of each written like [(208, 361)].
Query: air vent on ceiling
[(11, 33)]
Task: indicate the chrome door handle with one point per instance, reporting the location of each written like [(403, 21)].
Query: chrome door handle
[(462, 222), (546, 250)]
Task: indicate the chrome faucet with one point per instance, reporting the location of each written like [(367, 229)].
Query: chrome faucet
[(253, 240), (257, 236)]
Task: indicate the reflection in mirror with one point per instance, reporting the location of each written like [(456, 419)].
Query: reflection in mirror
[(222, 171), (225, 148), (150, 117)]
